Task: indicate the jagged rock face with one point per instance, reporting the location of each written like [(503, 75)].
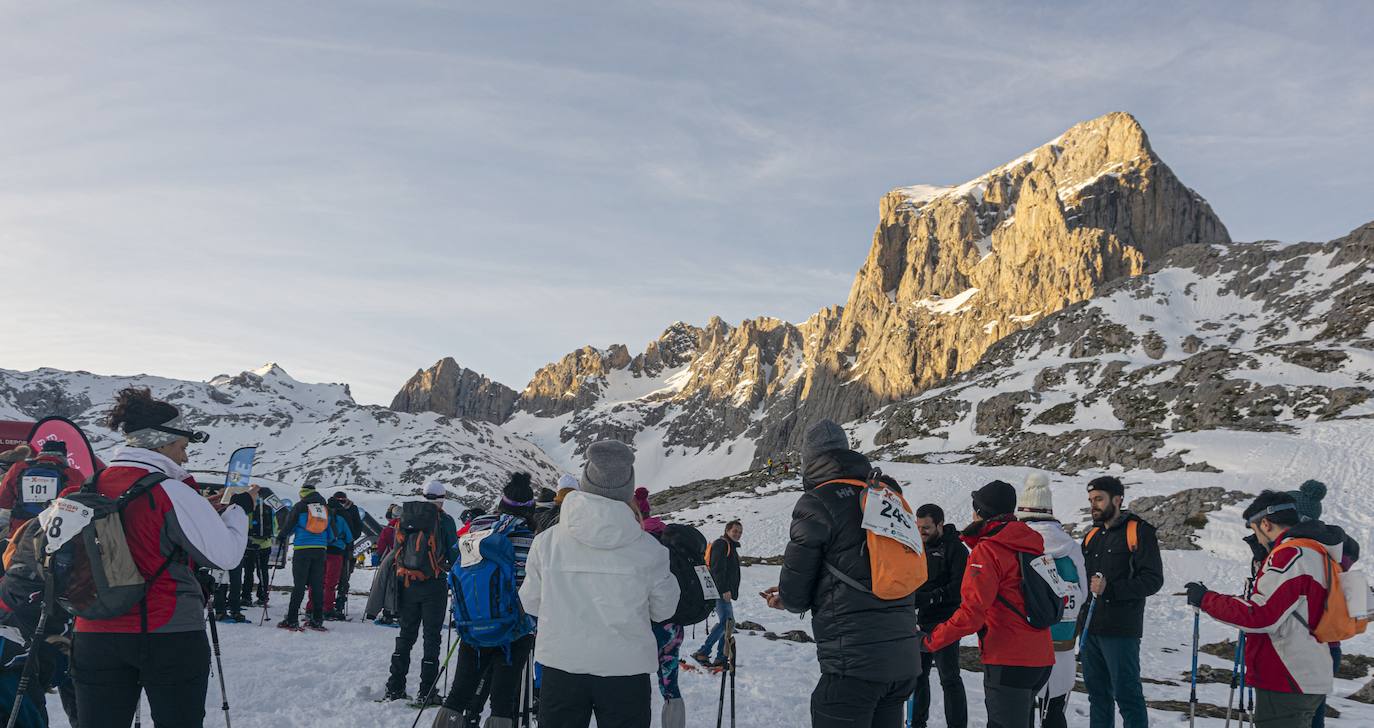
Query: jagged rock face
[(454, 391), (1257, 337), (951, 271)]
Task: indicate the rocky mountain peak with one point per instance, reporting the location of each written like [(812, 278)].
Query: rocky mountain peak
[(456, 391)]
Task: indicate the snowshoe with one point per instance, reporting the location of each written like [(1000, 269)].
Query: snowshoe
[(426, 701), (335, 616), (235, 618), (314, 626), (393, 695), (702, 658), (289, 625)]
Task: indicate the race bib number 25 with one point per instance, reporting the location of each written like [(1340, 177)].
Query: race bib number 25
[(62, 520), (886, 515)]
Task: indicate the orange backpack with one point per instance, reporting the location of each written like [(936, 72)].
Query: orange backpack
[(316, 517), (1336, 624), (897, 569), (1132, 535), (728, 548)]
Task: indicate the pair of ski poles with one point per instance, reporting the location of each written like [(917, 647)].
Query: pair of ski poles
[(1238, 677), (727, 673)]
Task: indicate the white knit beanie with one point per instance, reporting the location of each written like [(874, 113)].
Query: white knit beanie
[(1035, 501)]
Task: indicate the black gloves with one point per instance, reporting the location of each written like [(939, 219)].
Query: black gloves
[(242, 500), (1258, 552), (1196, 592)]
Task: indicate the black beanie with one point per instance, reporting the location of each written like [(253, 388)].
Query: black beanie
[(997, 498), (518, 491), (1107, 483)]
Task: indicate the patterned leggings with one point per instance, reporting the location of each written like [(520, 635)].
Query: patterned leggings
[(669, 638)]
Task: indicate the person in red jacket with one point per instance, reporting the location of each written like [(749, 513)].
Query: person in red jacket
[(159, 647), (26, 499), (1017, 658)]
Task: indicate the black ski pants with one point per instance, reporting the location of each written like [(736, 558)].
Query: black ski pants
[(111, 669), (255, 569), (307, 572), (228, 596), (848, 702), (946, 662), (569, 699), (1009, 694), (504, 677), (421, 606)]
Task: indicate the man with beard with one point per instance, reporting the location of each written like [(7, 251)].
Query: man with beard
[(936, 601), (1121, 553)]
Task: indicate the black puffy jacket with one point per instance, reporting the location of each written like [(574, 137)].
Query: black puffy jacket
[(725, 566), (1131, 577), (857, 634), (938, 598)]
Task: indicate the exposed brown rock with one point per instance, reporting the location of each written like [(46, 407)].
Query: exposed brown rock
[(454, 391)]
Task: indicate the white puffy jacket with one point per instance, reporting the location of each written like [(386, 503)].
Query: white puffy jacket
[(596, 581), (1058, 544)]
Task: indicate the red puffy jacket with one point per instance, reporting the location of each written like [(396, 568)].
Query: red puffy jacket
[(994, 570)]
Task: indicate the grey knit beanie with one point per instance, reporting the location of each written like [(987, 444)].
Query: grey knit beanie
[(610, 471)]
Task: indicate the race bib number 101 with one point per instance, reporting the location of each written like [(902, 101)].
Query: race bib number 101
[(886, 515), (38, 488), (63, 519)]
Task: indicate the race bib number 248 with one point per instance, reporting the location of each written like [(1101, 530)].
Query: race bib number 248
[(886, 515)]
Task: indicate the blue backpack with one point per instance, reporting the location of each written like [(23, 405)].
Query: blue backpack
[(486, 602), (39, 484)]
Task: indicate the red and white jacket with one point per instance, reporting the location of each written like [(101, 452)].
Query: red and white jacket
[(172, 517), (1278, 615)]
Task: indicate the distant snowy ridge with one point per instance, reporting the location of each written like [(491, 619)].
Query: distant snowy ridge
[(305, 433)]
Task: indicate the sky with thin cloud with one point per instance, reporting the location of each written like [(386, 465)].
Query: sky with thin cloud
[(355, 189)]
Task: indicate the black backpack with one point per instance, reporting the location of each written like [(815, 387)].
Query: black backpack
[(1044, 606), (417, 542), (39, 484), (686, 551), (262, 522)]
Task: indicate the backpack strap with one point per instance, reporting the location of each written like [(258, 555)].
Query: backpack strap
[(1133, 534), (848, 580), (1092, 533)]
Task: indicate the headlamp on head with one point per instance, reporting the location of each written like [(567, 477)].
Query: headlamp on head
[(195, 436)]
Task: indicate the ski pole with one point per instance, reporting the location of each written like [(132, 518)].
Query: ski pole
[(1192, 697), (219, 664), (724, 676), (268, 590), (1235, 672), (424, 701), (28, 665), (730, 634), (448, 639), (1088, 623)]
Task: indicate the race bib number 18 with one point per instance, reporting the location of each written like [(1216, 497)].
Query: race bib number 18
[(63, 519), (885, 515)]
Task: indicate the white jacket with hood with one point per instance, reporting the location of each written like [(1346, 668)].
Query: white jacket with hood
[(1058, 544), (596, 581)]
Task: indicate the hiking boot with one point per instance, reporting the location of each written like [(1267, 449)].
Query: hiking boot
[(335, 616), (289, 624), (395, 694), (316, 626), (720, 663), (237, 617), (220, 616), (702, 658), (428, 698)]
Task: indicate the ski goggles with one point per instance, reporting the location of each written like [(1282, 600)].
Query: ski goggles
[(1271, 510)]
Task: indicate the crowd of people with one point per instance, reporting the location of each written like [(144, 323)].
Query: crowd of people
[(570, 603)]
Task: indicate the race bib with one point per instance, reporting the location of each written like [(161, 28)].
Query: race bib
[(273, 502), (63, 519), (470, 548), (317, 510), (38, 488), (1044, 566), (708, 585), (885, 515)]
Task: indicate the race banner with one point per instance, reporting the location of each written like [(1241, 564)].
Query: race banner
[(240, 467), (61, 429)]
